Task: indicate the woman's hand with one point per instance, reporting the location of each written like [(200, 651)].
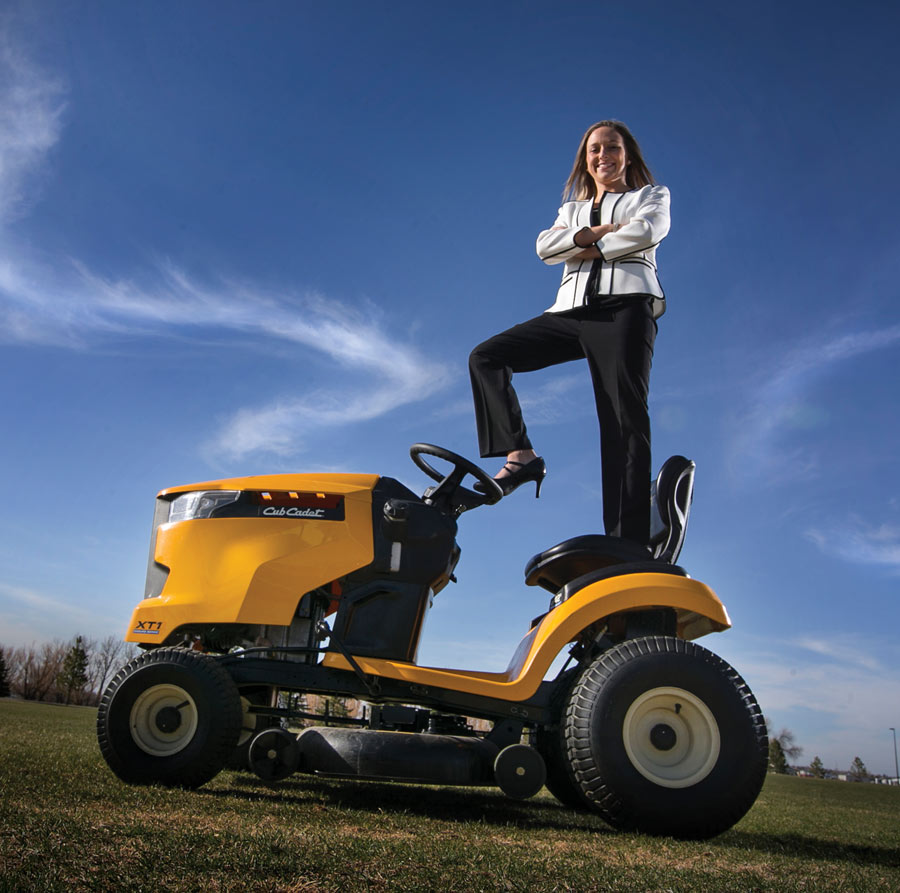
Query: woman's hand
[(588, 237)]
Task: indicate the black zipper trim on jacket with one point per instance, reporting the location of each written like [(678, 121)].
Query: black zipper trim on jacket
[(575, 285), (596, 264), (612, 264)]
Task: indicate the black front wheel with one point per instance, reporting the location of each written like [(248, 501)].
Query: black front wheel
[(664, 737), (171, 717)]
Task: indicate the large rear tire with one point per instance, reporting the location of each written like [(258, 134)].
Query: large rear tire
[(550, 742), (664, 737), (171, 717)]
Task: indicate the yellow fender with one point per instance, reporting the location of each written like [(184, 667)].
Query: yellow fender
[(698, 611)]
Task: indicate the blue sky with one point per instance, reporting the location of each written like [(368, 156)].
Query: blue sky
[(260, 237)]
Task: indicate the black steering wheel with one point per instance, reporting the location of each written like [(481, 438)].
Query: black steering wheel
[(449, 492)]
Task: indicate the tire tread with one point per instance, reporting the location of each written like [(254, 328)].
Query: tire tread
[(223, 695), (577, 722)]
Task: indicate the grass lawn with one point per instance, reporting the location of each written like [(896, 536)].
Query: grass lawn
[(66, 823)]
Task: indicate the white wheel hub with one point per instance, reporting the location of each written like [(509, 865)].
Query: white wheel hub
[(671, 737), (163, 720)]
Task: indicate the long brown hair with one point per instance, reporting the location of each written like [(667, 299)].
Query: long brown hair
[(580, 184)]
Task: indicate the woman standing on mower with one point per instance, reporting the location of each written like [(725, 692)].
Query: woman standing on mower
[(606, 233)]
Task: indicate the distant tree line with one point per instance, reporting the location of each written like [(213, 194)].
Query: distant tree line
[(856, 772), (783, 747), (73, 672)]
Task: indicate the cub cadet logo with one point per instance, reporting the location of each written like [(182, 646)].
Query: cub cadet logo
[(148, 627), (273, 512)]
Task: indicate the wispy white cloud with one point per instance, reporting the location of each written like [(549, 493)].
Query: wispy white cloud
[(71, 306), (778, 404), (847, 707), (543, 402), (281, 426), (552, 401), (860, 543), (384, 373), (388, 373), (838, 694), (31, 598), (28, 615), (31, 109), (842, 651)]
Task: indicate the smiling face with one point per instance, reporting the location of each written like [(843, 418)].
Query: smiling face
[(606, 159)]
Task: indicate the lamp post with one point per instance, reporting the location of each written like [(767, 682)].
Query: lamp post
[(896, 768)]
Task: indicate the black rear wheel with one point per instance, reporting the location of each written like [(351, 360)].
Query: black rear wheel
[(664, 737), (171, 716), (560, 781), (550, 741)]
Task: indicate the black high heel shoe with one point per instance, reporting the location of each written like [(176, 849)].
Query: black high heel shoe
[(535, 470)]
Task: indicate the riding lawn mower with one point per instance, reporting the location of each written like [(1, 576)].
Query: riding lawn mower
[(260, 590)]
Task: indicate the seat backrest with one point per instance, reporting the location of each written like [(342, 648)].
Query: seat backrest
[(670, 505)]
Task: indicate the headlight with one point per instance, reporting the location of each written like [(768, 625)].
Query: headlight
[(201, 504)]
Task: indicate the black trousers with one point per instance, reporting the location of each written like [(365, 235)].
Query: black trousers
[(618, 345)]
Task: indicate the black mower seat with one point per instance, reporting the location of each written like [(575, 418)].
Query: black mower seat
[(554, 567), (670, 503)]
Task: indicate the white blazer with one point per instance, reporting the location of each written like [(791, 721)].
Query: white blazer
[(628, 265)]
